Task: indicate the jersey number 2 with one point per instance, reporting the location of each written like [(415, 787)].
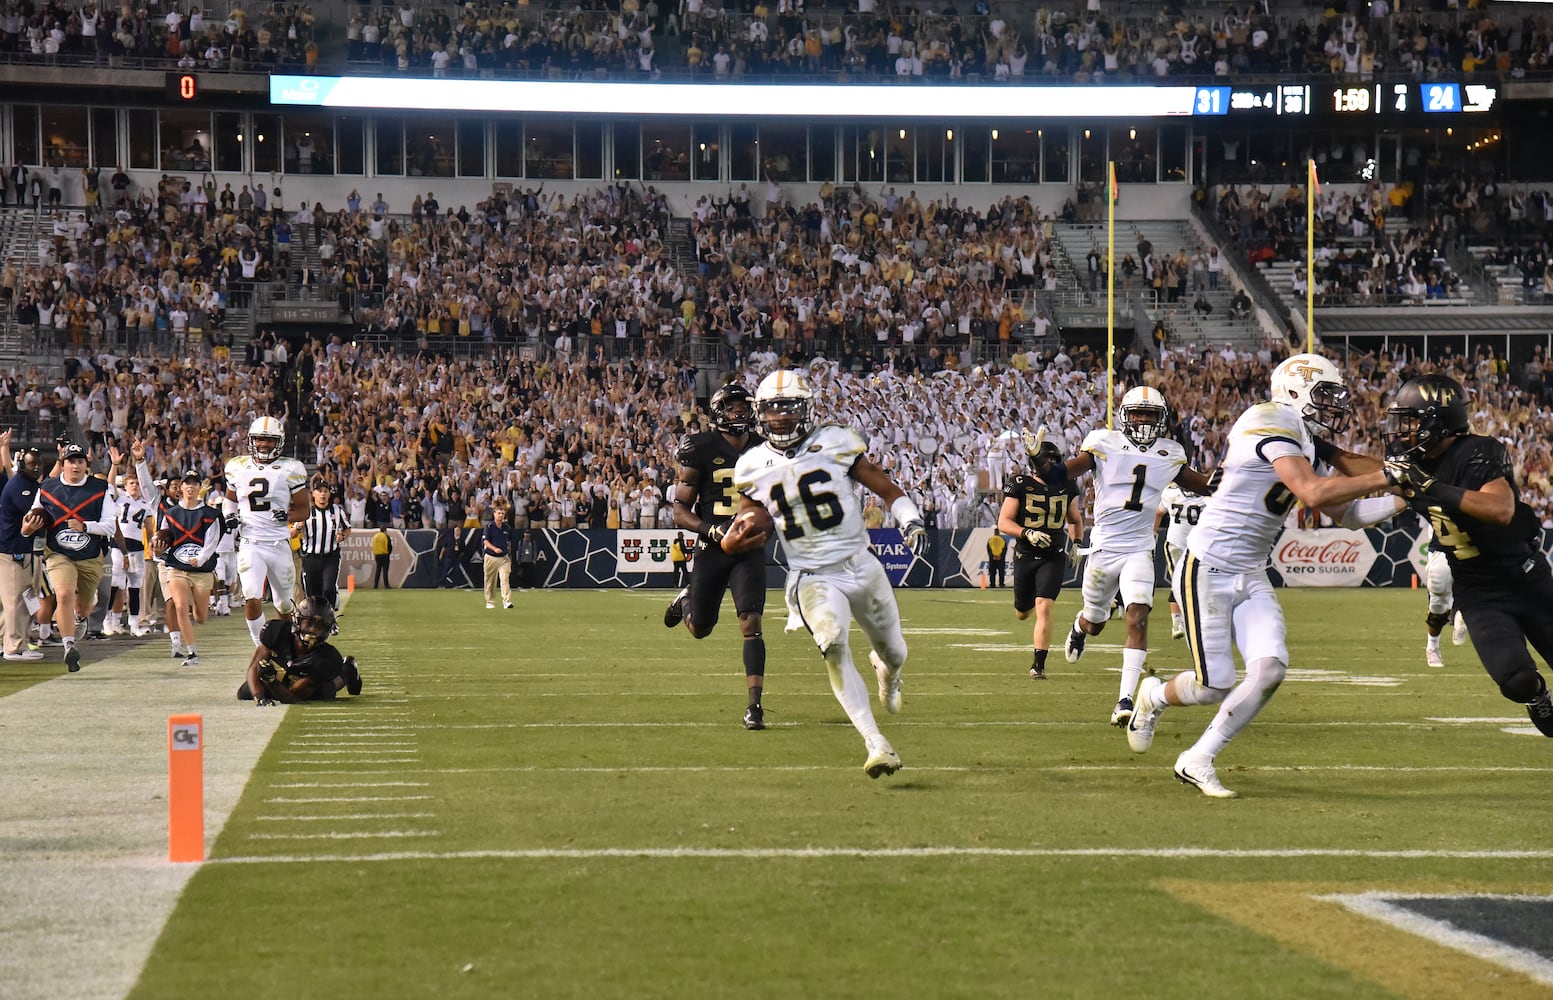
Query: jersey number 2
[(823, 510), (259, 495)]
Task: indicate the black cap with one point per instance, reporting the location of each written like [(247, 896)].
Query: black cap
[(193, 475), (70, 451)]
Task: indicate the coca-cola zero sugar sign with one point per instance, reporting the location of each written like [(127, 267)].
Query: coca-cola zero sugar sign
[(1326, 557)]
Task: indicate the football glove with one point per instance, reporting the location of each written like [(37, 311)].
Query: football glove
[(1408, 477), (280, 516), (713, 531), (229, 523), (915, 537), (264, 702), (1040, 541), (272, 672)]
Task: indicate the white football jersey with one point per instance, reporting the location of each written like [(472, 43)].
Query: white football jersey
[(810, 496), (1245, 515), (1182, 510), (262, 489), (1128, 483), (133, 514)]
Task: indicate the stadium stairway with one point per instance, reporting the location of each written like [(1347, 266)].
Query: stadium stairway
[(19, 232), (681, 247)]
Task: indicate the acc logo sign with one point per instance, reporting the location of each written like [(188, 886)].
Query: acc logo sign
[(188, 553), (69, 540)]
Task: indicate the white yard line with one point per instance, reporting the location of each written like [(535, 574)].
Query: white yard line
[(825, 853), (85, 886)]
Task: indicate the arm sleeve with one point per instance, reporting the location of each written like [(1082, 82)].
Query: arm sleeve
[(107, 522), (1370, 511)]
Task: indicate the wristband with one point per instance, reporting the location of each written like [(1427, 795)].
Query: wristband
[(1449, 494)]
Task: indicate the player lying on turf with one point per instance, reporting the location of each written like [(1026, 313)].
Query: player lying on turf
[(295, 661)]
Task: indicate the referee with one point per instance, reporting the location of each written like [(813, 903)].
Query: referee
[(324, 528)]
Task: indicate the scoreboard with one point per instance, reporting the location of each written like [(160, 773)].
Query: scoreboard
[(1300, 100), (1385, 102)]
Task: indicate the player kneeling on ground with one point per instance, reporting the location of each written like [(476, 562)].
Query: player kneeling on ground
[(295, 661)]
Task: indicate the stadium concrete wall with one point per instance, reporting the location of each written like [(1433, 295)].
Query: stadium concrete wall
[(601, 558)]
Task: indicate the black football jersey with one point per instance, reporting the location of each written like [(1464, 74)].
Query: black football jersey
[(1479, 552), (1042, 507), (322, 663), (710, 454)]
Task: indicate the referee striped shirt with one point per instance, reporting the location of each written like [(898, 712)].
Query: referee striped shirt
[(321, 530)]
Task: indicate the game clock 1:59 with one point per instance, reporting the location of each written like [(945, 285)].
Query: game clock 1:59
[(1359, 99)]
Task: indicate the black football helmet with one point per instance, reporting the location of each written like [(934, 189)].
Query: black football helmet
[(1424, 412), (1047, 462), (733, 409), (313, 622)]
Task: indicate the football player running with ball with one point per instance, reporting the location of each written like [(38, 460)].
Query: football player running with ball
[(1038, 510), (804, 475), (1465, 485), (1226, 598), (265, 493), (1132, 467), (704, 502)]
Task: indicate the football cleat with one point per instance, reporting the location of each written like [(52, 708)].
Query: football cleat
[(140, 633), (882, 759), (25, 656), (1122, 713), (507, 605), (1541, 712), (754, 718), (1074, 647), (889, 684), (1459, 631), (352, 674), (111, 627), (1177, 627), (1151, 705), (1197, 770), (179, 652), (1432, 656), (192, 660), (73, 660), (1037, 672), (675, 612), (489, 606)]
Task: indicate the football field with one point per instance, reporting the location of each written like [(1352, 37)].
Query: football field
[(559, 801)]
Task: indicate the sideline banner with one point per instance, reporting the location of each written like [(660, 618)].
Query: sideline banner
[(1325, 557), (644, 551)]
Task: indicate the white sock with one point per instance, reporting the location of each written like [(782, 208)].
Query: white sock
[(1178, 621), (851, 692), (1434, 643), (1132, 669), (1076, 619), (177, 639), (44, 631), (255, 626), (69, 641), (192, 649), (134, 623)]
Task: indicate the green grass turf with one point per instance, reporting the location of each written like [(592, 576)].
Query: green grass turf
[(577, 724)]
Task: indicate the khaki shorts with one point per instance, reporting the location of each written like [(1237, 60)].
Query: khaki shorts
[(200, 583), (81, 576)]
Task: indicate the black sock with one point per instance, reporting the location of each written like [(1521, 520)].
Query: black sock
[(755, 692), (1040, 659), (755, 663)]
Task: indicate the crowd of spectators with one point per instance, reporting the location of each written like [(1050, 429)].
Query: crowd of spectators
[(990, 42), (1084, 40), (184, 35), (421, 439)]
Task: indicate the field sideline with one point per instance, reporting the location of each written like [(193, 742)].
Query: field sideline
[(558, 801)]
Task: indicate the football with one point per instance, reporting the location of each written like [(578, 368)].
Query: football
[(162, 540), (749, 530)]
